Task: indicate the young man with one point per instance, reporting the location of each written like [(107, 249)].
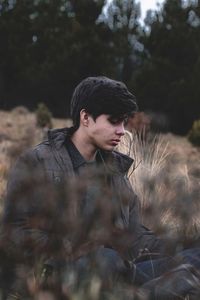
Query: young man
[(36, 197)]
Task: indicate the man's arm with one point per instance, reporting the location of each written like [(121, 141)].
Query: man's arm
[(143, 242), (26, 224)]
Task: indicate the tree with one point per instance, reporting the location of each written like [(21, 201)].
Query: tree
[(48, 47), (123, 20), (168, 81)]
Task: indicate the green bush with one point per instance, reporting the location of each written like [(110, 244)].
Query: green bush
[(43, 116), (194, 133)]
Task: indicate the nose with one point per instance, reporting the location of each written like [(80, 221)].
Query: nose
[(120, 129)]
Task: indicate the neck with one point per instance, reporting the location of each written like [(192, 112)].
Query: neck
[(87, 150)]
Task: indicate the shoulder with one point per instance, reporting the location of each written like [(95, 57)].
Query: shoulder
[(33, 155), (30, 158), (25, 164), (118, 161), (124, 161), (44, 150)]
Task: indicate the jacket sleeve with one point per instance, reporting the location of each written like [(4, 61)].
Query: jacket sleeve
[(144, 244), (27, 222)]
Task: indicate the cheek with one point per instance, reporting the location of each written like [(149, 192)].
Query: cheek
[(106, 131), (102, 133)]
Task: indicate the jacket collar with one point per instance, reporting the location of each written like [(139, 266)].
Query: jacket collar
[(115, 162)]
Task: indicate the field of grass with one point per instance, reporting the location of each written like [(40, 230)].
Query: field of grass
[(165, 176)]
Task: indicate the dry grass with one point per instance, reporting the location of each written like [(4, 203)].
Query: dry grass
[(166, 178), (165, 174)]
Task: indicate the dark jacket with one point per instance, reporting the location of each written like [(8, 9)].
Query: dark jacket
[(33, 219)]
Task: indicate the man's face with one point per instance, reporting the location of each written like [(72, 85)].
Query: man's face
[(105, 132)]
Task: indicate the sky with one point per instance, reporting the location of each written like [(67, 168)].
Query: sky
[(148, 4), (145, 5)]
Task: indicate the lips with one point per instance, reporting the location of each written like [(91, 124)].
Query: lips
[(115, 141)]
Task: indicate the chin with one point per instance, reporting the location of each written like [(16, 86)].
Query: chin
[(108, 148)]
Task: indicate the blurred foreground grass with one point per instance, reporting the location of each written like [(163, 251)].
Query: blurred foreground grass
[(165, 175), (18, 131)]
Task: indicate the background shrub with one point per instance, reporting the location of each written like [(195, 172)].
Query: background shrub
[(43, 116), (194, 133)]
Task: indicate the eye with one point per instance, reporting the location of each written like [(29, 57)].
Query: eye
[(115, 121)]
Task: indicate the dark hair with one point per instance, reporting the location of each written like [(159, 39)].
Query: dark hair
[(101, 95)]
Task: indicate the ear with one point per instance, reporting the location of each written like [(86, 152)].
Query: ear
[(84, 117)]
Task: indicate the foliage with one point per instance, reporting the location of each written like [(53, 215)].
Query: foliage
[(43, 116), (123, 19), (168, 80), (54, 47), (47, 47), (194, 133)]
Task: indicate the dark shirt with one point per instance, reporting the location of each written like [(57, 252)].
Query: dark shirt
[(78, 161), (76, 157), (87, 172)]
